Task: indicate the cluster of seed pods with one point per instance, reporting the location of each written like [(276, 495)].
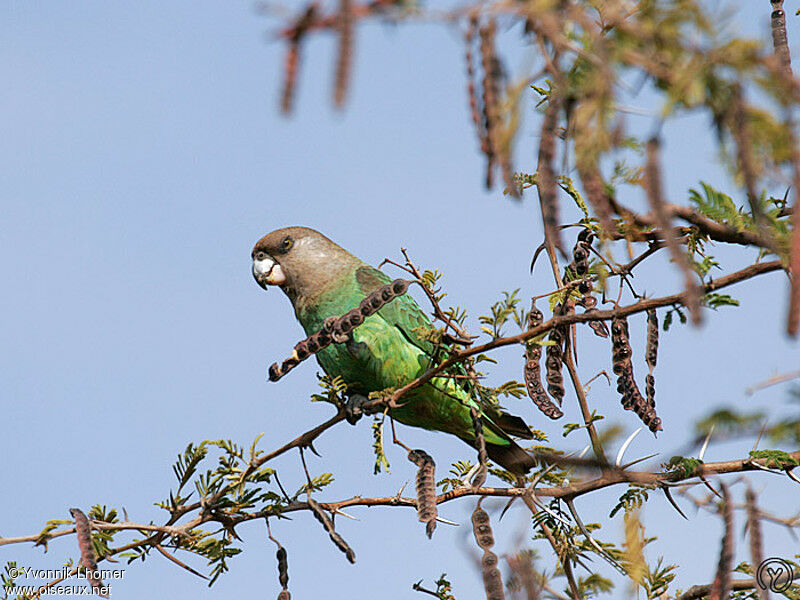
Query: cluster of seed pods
[(626, 384), (83, 531), (283, 573), (533, 378), (338, 329), (492, 579), (426, 489), (338, 540)]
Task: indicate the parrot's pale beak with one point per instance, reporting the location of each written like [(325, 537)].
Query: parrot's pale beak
[(268, 272)]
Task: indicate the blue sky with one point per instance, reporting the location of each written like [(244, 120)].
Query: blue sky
[(141, 156)]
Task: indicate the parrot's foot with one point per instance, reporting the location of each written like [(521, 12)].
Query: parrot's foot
[(337, 336), (353, 410)]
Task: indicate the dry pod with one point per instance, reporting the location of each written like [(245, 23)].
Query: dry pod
[(554, 360), (626, 384), (339, 329), (426, 489), (337, 539), (283, 567), (492, 579), (83, 531)]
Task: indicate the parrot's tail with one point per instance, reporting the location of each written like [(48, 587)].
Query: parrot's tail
[(511, 457)]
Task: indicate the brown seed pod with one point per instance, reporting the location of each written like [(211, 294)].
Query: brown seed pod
[(779, 39), (599, 327), (426, 489), (274, 372), (492, 579), (474, 108), (337, 539), (554, 360), (650, 389), (400, 286), (283, 567), (596, 193), (651, 354), (754, 529), (301, 349), (292, 60), (284, 595), (721, 587), (490, 97), (83, 531), (626, 384), (482, 529), (532, 371), (338, 329), (548, 189), (344, 57)]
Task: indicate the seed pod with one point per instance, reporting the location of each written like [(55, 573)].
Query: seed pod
[(376, 301), (490, 93), (344, 57), (589, 302), (274, 372), (400, 286), (650, 390), (599, 327), (338, 541), (595, 189), (301, 350), (284, 595), (754, 529), (532, 371), (584, 287), (533, 380), (482, 529), (651, 355), (83, 531), (554, 361), (283, 567), (626, 384), (426, 489), (312, 344), (721, 587), (586, 235), (492, 579)]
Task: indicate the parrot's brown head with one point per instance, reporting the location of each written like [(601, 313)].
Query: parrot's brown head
[(300, 260)]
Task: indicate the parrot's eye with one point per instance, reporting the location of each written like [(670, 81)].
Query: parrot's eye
[(286, 244), (259, 256)]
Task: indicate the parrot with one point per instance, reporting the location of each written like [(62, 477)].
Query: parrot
[(388, 350)]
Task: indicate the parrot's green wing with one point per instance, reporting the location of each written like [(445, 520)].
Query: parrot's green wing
[(405, 314), (402, 312)]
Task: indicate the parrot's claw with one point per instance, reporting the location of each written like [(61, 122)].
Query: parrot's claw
[(353, 408)]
